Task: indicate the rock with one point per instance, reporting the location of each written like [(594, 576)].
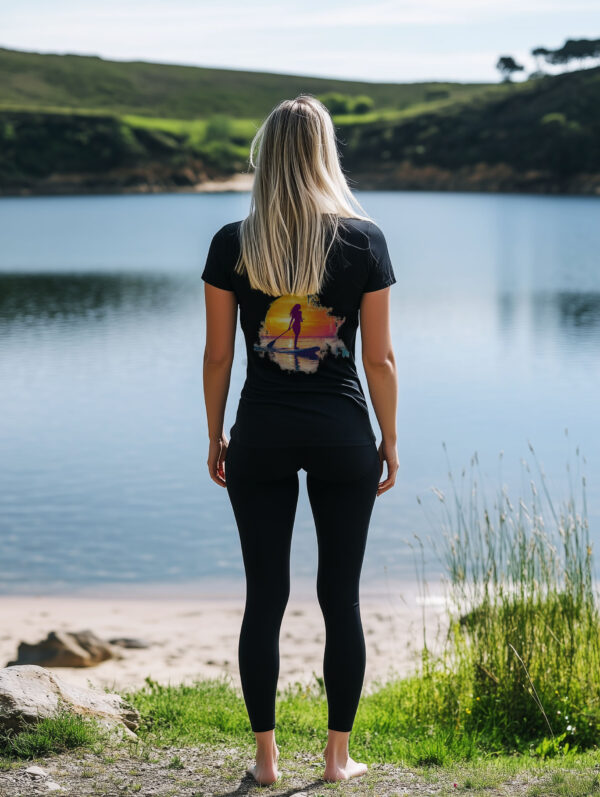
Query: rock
[(29, 693), (52, 785), (66, 649), (37, 772), (129, 642)]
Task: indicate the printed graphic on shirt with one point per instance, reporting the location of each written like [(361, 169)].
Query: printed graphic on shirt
[(298, 332)]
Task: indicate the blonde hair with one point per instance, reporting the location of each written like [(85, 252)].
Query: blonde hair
[(298, 196)]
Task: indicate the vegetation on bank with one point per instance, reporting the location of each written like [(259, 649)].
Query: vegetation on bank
[(79, 124), (548, 127), (541, 135), (513, 689)]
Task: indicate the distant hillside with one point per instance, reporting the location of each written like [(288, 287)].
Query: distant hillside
[(45, 82), (543, 138)]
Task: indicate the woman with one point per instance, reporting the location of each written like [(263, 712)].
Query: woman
[(302, 246), (296, 322)]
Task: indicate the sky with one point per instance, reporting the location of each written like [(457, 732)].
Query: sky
[(383, 41)]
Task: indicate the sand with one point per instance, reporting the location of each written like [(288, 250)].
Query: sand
[(194, 637), (237, 182)]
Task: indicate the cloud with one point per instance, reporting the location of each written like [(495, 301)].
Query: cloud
[(281, 16), (386, 40)]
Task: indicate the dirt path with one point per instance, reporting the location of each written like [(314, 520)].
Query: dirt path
[(210, 772)]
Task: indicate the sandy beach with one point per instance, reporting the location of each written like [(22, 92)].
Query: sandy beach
[(196, 637), (242, 181)]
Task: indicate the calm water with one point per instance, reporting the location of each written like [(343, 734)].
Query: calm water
[(496, 324)]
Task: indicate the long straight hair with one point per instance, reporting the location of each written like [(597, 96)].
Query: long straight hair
[(299, 198)]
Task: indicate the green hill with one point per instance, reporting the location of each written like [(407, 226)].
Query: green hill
[(542, 135), (46, 81)]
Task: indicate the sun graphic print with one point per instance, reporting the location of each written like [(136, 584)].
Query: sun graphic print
[(298, 332)]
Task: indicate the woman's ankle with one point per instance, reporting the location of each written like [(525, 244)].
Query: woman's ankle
[(337, 744), (265, 741)]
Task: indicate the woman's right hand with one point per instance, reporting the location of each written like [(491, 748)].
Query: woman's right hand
[(388, 453)]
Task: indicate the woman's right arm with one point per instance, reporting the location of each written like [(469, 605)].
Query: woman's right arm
[(380, 370)]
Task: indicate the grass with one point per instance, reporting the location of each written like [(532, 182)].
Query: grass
[(194, 130), (514, 689), (56, 734), (41, 81), (520, 670)]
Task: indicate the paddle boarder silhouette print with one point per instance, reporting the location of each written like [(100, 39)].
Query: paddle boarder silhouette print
[(296, 322), (298, 332)]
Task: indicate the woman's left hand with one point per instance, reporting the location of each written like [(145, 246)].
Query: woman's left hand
[(217, 451)]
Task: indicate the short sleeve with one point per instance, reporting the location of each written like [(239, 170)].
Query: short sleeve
[(215, 270), (381, 273)]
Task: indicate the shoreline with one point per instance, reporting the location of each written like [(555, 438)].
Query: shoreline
[(196, 637), (232, 589), (403, 179), (237, 183)]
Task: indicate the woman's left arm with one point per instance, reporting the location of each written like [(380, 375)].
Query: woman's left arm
[(221, 324)]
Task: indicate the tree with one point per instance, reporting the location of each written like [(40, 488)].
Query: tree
[(336, 103), (572, 50), (537, 53), (362, 104), (507, 65), (341, 104)]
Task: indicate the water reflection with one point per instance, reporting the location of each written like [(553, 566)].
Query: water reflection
[(573, 317), (577, 313), (39, 298)]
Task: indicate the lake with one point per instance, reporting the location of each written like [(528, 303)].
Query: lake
[(104, 486)]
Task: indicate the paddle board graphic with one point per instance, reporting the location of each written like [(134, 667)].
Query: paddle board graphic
[(297, 332)]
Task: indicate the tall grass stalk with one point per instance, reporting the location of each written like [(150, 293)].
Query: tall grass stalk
[(522, 661)]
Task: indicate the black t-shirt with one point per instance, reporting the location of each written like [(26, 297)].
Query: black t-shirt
[(302, 387)]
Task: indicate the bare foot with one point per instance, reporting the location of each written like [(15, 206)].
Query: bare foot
[(265, 770), (342, 768)]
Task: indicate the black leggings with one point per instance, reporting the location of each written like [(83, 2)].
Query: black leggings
[(263, 487)]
